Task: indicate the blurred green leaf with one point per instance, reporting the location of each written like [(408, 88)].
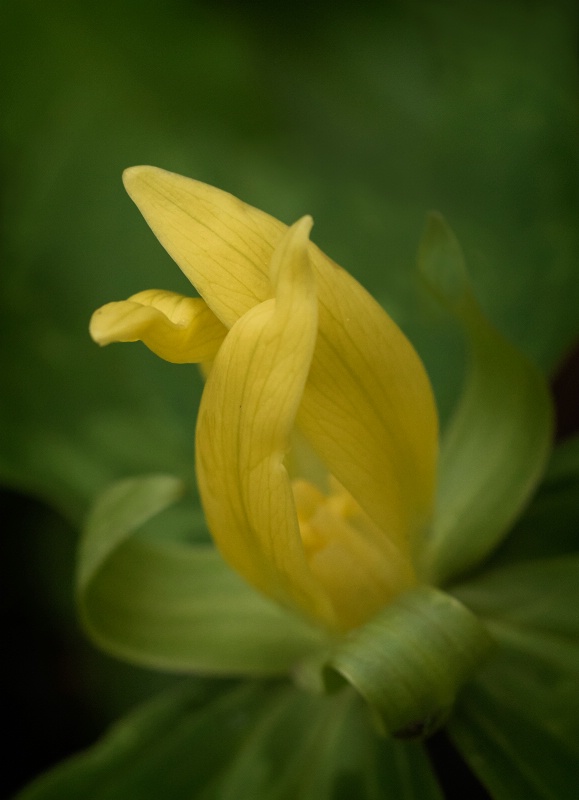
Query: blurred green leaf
[(496, 445), (550, 526), (117, 514), (541, 594), (262, 741), (176, 606), (517, 723)]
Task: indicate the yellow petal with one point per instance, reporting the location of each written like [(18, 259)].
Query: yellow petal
[(245, 420), (222, 245), (177, 328), (368, 409)]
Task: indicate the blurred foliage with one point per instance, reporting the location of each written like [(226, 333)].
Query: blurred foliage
[(366, 117)]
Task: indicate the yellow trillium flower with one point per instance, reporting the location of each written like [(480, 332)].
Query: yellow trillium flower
[(317, 434)]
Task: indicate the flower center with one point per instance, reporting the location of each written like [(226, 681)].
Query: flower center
[(354, 561)]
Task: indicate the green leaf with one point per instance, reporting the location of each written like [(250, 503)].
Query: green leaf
[(117, 514), (541, 594), (497, 443), (517, 724), (549, 526), (176, 606), (564, 466), (410, 660), (258, 741)]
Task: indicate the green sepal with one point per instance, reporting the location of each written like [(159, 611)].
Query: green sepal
[(410, 661), (175, 606), (227, 741), (495, 448)]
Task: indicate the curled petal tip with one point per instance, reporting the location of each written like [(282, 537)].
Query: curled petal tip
[(179, 329), (99, 328)]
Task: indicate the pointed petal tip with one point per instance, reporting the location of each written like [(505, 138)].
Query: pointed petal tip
[(298, 234), (290, 261), (304, 225), (131, 175), (145, 176)]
